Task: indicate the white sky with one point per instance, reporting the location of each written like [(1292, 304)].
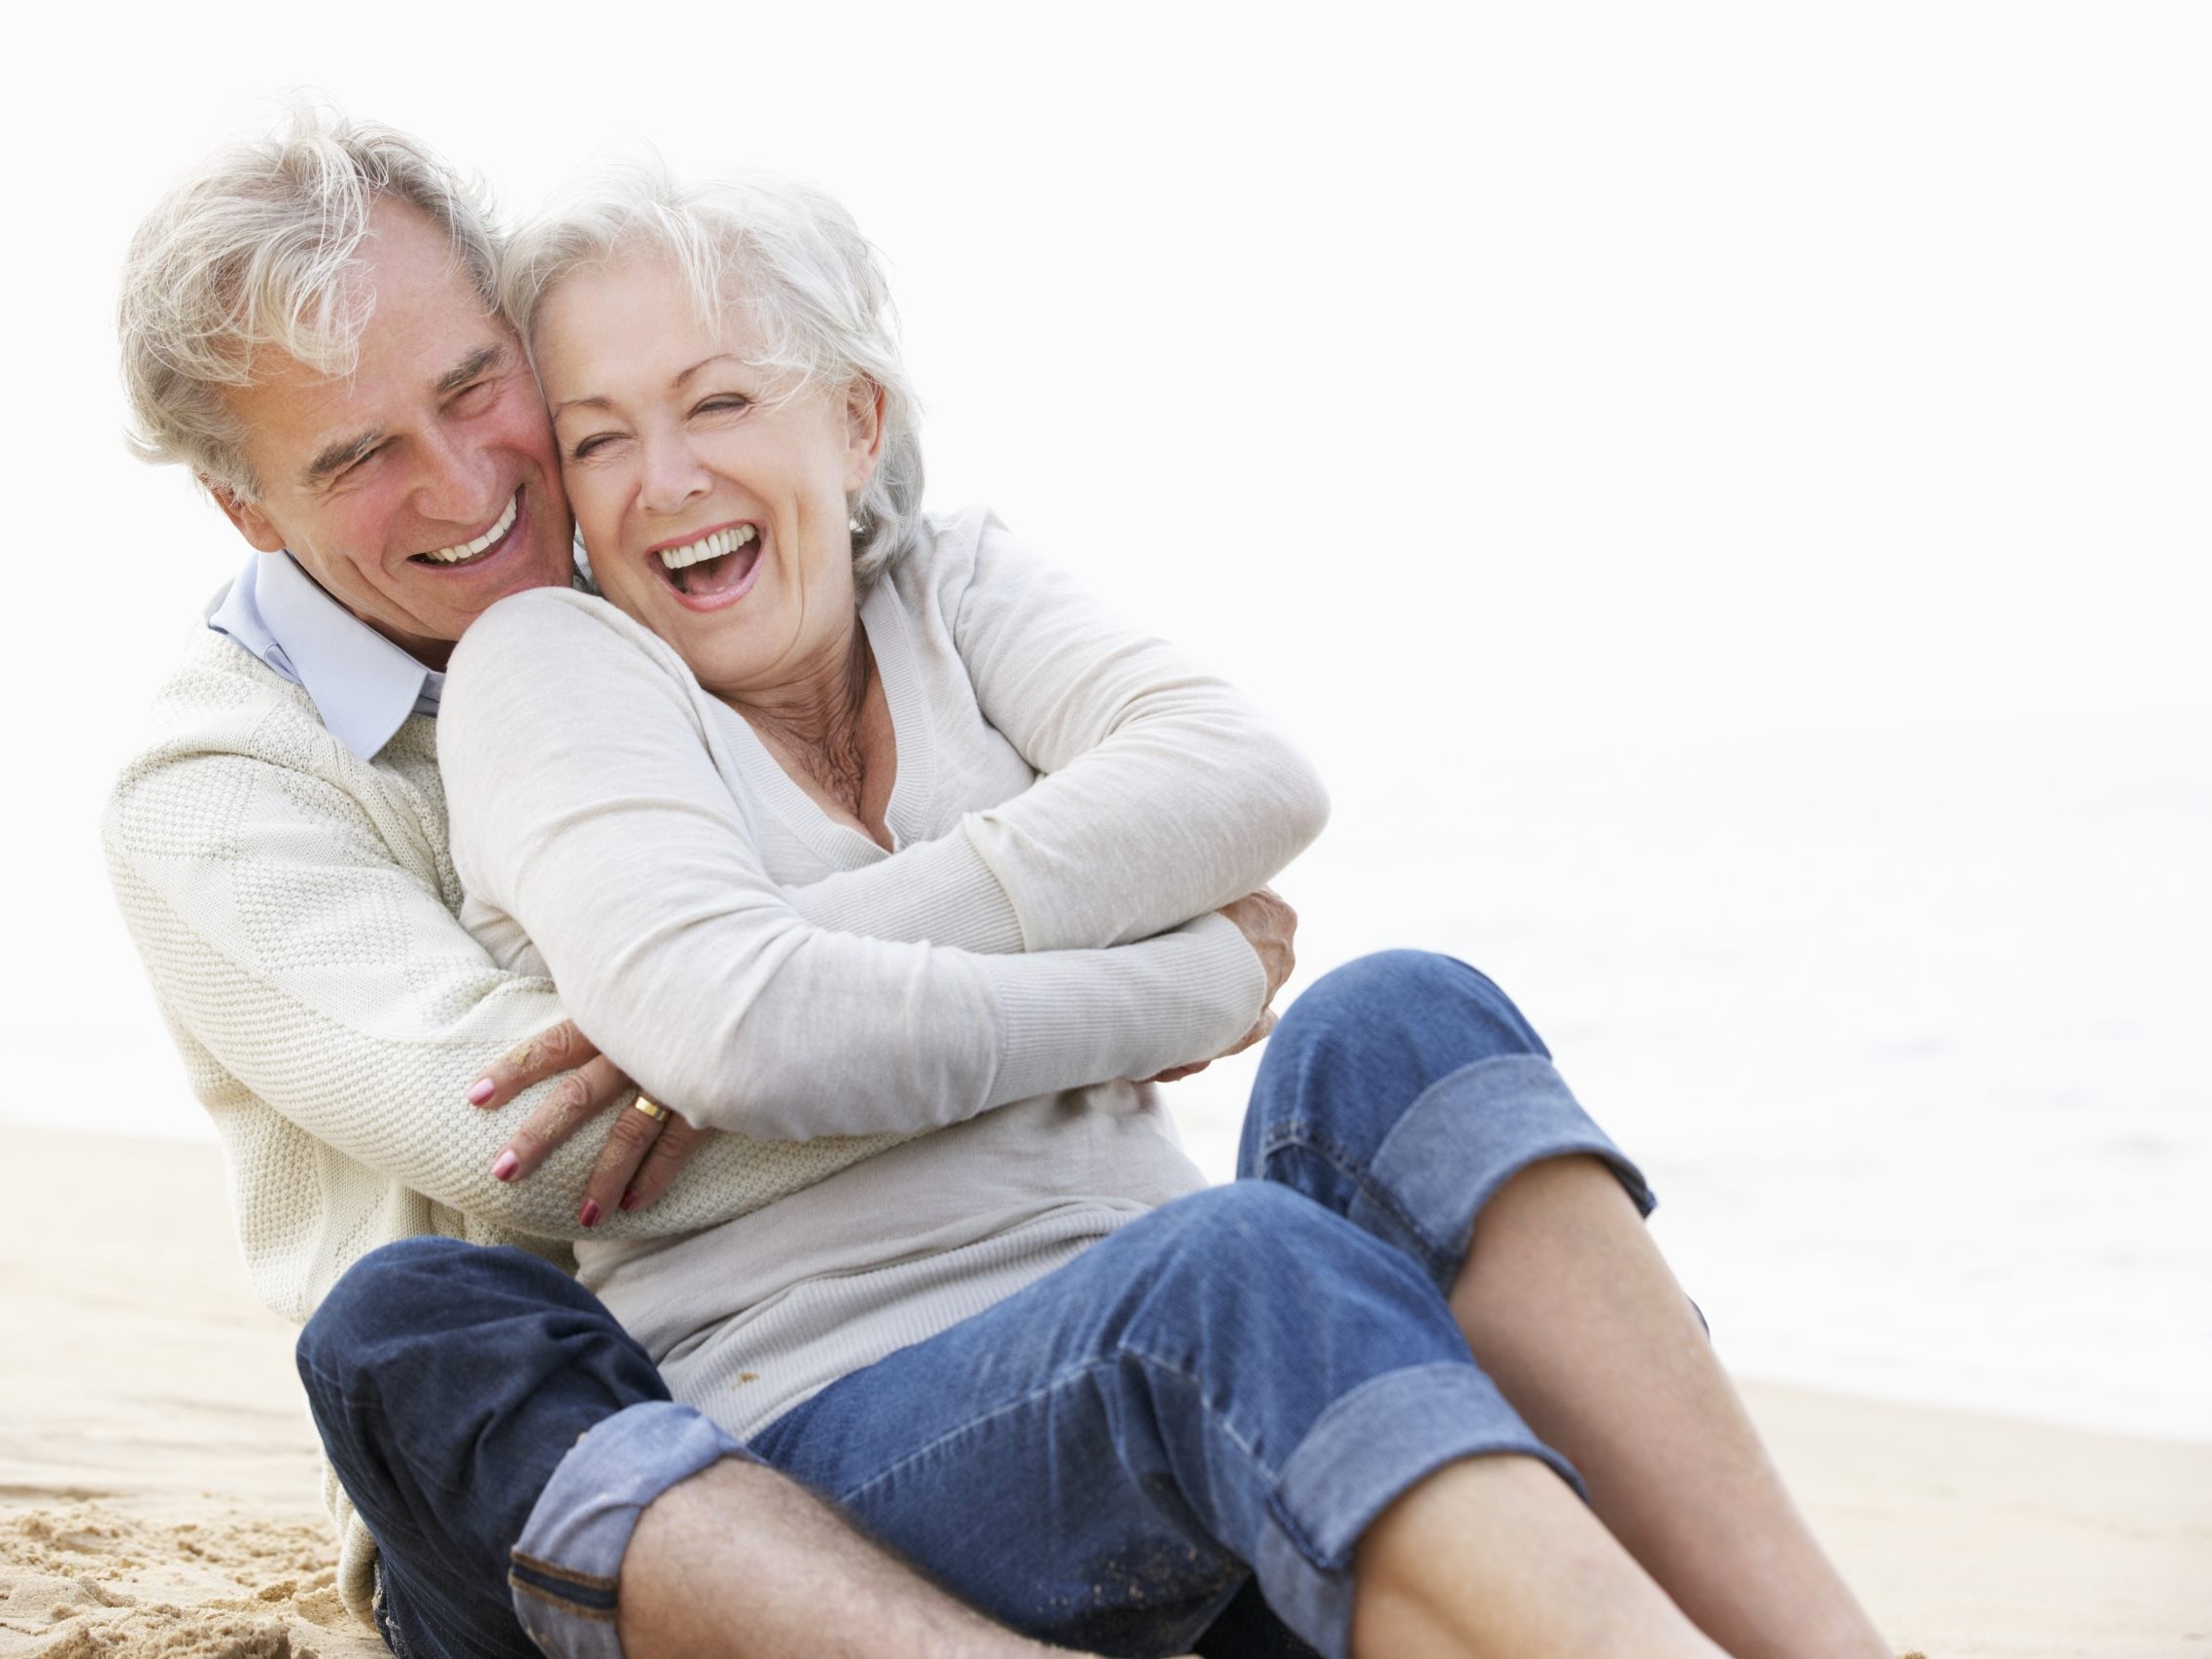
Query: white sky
[(1512, 386)]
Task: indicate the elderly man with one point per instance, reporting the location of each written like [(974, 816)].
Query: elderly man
[(309, 325)]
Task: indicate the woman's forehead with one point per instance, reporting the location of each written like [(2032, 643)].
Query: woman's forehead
[(635, 323)]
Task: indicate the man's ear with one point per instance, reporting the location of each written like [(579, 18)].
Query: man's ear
[(864, 433), (253, 523)]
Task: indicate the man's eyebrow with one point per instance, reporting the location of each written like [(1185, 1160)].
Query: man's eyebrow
[(470, 367), (335, 458)]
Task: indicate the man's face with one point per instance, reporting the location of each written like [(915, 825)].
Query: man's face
[(423, 486)]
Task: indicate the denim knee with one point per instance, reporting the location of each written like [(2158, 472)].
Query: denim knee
[(1400, 1006), (1401, 1092), (381, 1291), (1354, 1053)]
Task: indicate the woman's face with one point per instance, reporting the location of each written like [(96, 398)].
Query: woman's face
[(711, 494)]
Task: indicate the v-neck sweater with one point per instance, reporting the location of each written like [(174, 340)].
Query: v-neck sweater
[(951, 1023)]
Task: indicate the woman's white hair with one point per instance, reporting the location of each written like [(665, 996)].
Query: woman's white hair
[(256, 250), (813, 287)]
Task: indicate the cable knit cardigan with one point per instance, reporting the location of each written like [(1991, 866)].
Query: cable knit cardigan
[(299, 916)]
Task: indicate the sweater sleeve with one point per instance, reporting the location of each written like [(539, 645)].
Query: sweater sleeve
[(316, 966), (587, 804), (1167, 792)]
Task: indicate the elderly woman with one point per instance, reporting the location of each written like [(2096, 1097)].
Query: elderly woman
[(867, 835)]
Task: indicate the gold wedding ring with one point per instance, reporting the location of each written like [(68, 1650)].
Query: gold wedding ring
[(652, 1109)]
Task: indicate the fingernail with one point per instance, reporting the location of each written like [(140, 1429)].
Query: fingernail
[(480, 1091), (589, 1214), (504, 1167), (629, 1201)]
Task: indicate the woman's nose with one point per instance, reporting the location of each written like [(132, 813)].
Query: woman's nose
[(673, 476)]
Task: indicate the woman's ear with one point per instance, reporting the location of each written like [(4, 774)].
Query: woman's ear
[(252, 523), (864, 433)]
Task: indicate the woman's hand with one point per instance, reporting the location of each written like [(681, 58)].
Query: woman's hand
[(641, 1155), (1268, 924)]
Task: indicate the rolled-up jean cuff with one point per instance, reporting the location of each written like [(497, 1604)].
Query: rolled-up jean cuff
[(1464, 1136), (1364, 1453), (562, 1571)]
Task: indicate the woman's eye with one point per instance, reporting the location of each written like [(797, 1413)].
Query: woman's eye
[(590, 445), (722, 403)]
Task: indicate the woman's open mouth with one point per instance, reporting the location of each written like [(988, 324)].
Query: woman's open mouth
[(463, 554), (714, 568)]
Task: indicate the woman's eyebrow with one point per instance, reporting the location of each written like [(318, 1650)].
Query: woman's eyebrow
[(705, 361), (599, 400)]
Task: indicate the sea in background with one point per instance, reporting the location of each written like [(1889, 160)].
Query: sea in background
[(1719, 489), (1907, 1032)]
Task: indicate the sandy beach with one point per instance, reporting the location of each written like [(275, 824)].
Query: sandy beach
[(158, 1472)]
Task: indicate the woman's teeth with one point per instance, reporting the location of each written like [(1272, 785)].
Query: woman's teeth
[(716, 545), (469, 549)]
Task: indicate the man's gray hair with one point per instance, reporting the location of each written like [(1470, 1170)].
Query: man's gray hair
[(256, 250), (813, 287)]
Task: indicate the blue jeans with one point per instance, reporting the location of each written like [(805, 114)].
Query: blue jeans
[(1172, 1443)]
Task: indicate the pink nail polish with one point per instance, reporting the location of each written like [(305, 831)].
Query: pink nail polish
[(589, 1214), (629, 1201), (504, 1166), (480, 1091)]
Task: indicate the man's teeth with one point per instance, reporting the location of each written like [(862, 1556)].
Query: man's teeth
[(469, 549), (714, 546)]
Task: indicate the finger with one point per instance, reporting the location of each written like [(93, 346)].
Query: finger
[(1176, 1074), (556, 1048), (663, 1159), (576, 1098), (1258, 1033), (629, 1138), (1285, 941)]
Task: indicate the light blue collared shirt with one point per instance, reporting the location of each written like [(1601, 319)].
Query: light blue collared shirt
[(363, 685)]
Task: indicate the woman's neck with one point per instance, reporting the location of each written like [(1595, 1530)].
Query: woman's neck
[(817, 725)]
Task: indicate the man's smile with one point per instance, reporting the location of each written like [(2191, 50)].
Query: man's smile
[(468, 552)]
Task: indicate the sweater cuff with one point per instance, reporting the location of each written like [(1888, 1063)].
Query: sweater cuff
[(1075, 1018)]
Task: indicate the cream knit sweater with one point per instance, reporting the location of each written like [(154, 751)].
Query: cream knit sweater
[(299, 916)]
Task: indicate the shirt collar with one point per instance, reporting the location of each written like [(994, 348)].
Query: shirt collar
[(363, 685)]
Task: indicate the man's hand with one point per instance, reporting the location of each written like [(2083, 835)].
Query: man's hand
[(641, 1155), (1268, 924)]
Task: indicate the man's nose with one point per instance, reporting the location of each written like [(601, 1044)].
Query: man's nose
[(459, 484)]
